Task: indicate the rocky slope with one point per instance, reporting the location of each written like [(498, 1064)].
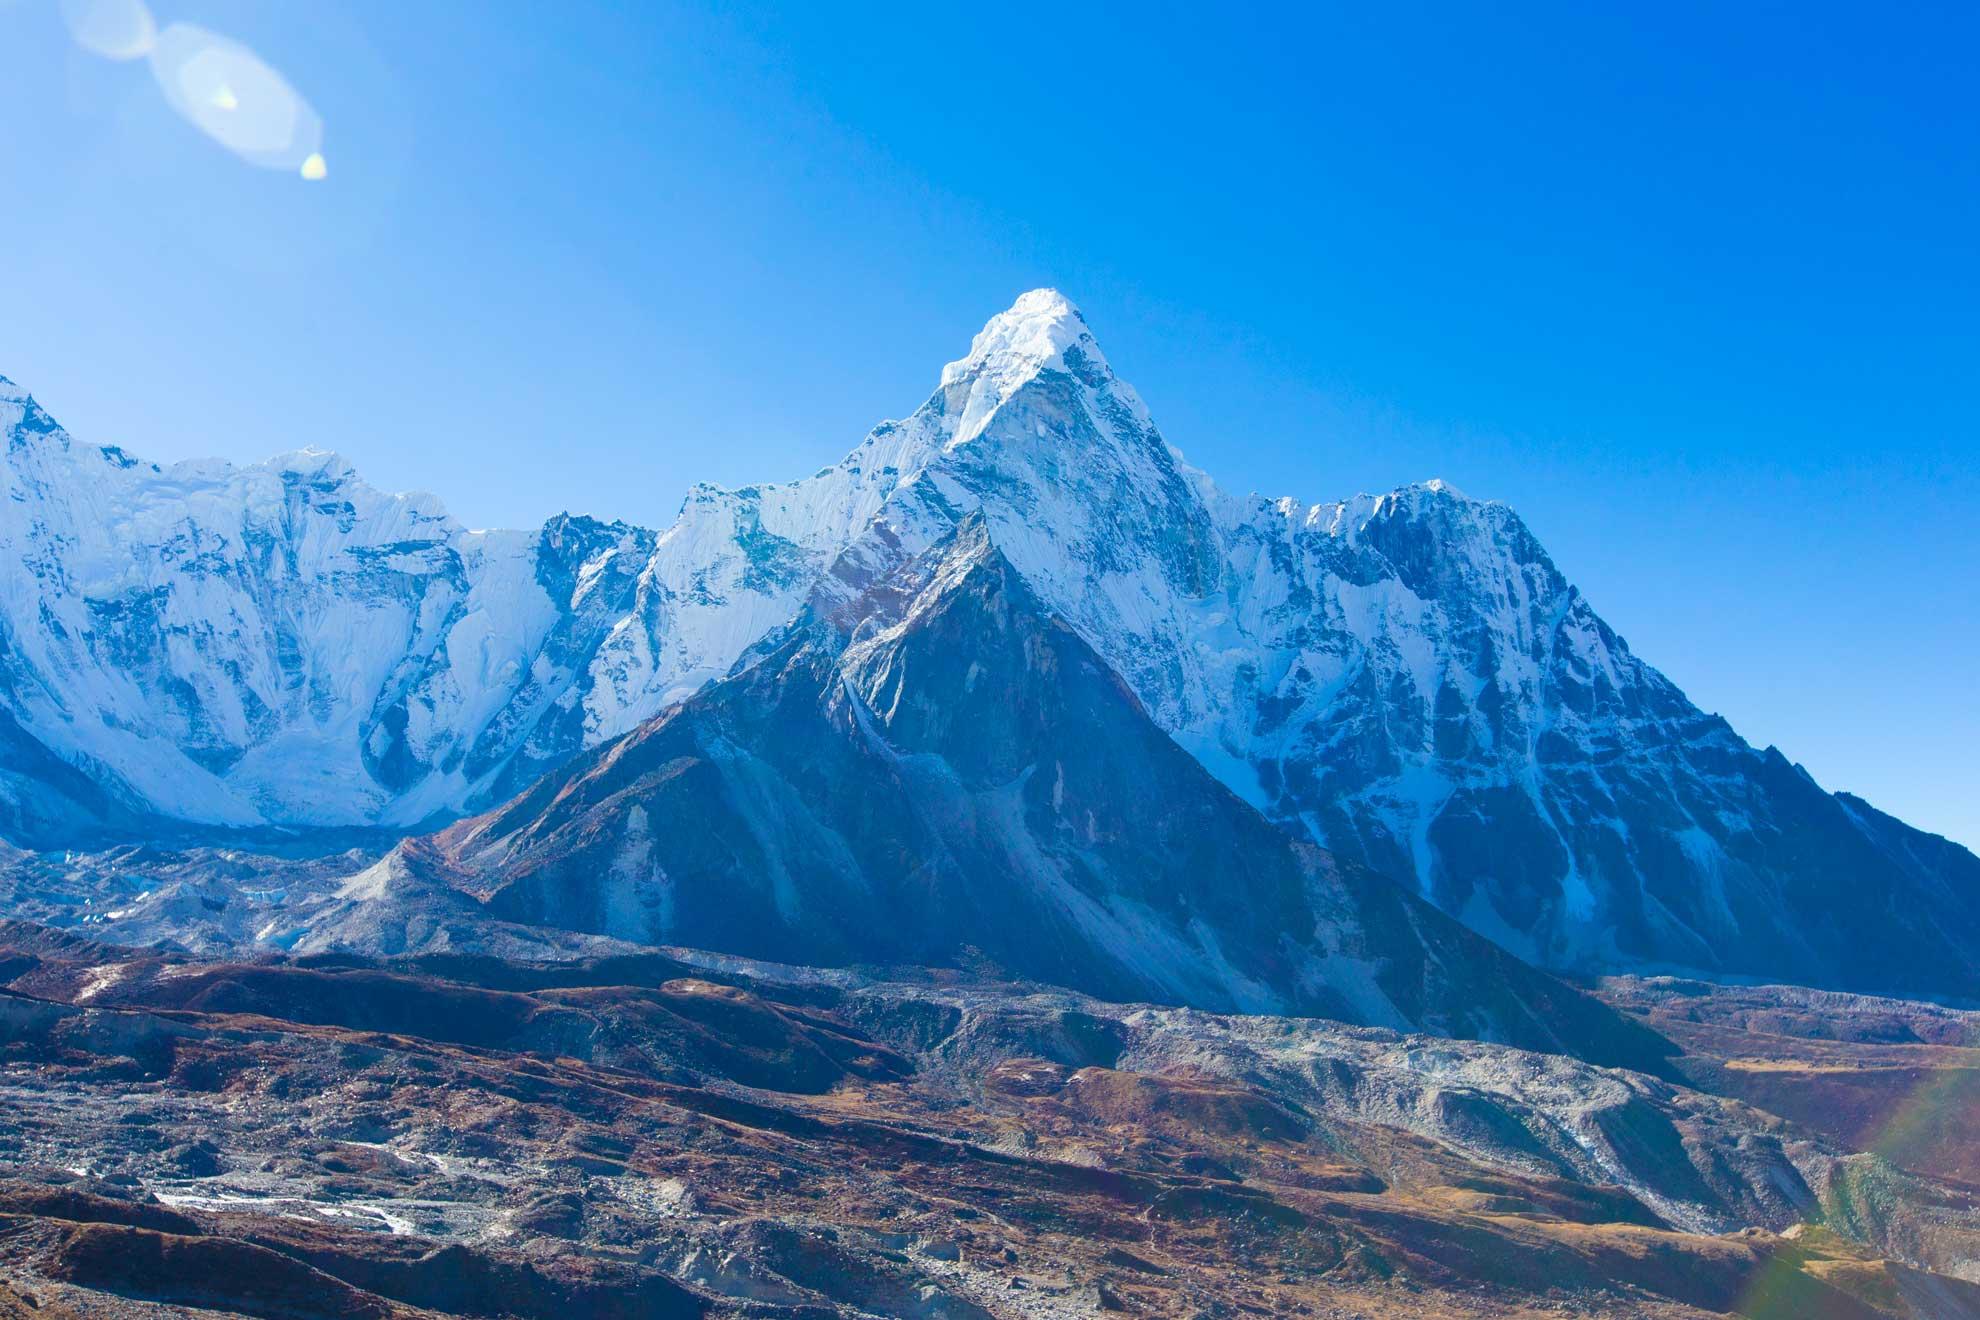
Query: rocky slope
[(644, 1135), (1407, 679), (1893, 1076), (950, 776)]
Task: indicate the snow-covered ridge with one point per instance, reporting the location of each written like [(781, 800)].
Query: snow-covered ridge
[(1406, 677)]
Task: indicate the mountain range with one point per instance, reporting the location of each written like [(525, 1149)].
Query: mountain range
[(946, 774), (1081, 691)]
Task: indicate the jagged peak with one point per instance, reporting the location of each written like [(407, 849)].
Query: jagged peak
[(1356, 510), (968, 562), (33, 418), (1041, 332), (309, 461), (1417, 498), (1031, 335), (967, 547), (914, 586), (1415, 493), (325, 470), (588, 523)]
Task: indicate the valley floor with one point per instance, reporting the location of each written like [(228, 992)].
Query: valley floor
[(663, 1133)]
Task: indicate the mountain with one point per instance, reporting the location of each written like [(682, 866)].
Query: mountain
[(1405, 679), (956, 777), (279, 644)]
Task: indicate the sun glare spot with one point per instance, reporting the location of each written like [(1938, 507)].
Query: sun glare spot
[(114, 29), (216, 84), (234, 97)]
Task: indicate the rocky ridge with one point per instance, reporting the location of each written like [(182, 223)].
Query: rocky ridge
[(1407, 679)]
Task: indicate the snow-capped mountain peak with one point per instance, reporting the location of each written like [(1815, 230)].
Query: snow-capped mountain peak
[(1042, 331), (1407, 678), (1034, 332), (312, 461)]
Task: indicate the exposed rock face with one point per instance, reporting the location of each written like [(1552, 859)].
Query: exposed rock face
[(955, 778), (1406, 679)]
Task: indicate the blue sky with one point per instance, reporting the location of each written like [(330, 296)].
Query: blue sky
[(1692, 287)]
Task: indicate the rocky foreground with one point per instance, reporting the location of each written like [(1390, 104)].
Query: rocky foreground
[(668, 1133)]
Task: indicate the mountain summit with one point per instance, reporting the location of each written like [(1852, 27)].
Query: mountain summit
[(1041, 332), (958, 778), (1405, 679)]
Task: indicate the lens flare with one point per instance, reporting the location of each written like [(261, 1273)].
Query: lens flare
[(114, 29), (215, 83), (231, 94)]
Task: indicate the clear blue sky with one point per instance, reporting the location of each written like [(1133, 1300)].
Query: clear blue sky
[(1695, 288)]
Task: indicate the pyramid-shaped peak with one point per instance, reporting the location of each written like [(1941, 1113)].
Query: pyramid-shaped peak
[(1042, 304), (965, 552), (1041, 333), (1034, 334)]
